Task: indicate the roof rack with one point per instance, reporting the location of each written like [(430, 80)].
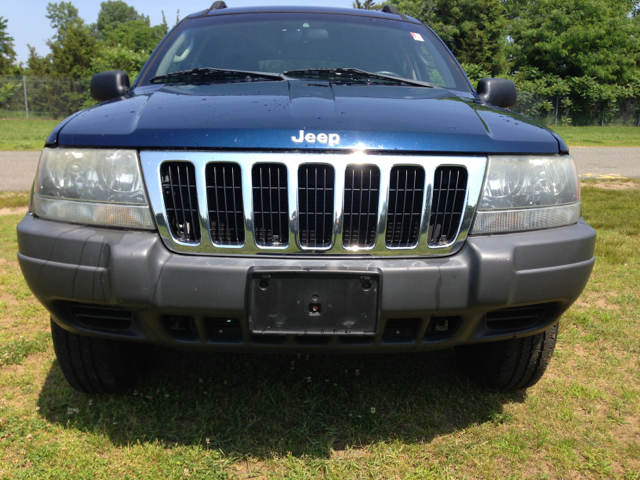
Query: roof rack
[(386, 9), (218, 5)]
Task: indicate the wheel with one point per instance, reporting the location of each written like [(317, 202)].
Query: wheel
[(509, 364), (95, 365)]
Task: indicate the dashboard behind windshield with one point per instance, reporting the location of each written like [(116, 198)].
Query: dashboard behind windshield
[(279, 42)]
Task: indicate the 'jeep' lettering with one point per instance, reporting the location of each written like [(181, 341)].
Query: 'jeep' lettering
[(332, 138)]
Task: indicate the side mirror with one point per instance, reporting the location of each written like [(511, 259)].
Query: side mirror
[(108, 85), (498, 92)]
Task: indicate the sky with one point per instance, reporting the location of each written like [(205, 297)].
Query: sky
[(28, 24)]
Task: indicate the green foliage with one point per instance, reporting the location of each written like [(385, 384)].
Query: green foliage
[(136, 35), (7, 53), (366, 5), (423, 10), (62, 15), (115, 12), (119, 58), (577, 38), (474, 30)]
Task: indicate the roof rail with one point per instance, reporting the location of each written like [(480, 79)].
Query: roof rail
[(391, 9), (218, 5)]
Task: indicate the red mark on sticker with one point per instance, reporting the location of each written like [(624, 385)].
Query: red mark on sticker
[(417, 37)]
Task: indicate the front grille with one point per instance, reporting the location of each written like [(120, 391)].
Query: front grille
[(361, 197), (270, 204), (406, 193), (181, 200), (514, 317), (101, 317), (224, 197), (315, 205), (447, 207), (299, 203)]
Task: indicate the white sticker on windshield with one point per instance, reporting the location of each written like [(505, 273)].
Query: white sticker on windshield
[(417, 37)]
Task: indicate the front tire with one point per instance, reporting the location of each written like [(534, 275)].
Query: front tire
[(95, 365), (512, 364)]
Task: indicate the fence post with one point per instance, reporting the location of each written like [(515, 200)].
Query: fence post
[(26, 104)]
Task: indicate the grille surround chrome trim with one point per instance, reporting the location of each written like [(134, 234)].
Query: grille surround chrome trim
[(152, 160)]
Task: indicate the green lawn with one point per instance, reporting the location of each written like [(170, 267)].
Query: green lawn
[(24, 135), (398, 416), (599, 136), (30, 135)]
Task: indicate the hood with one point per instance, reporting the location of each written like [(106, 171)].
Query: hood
[(305, 115)]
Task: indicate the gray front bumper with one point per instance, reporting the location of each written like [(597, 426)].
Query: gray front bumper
[(65, 263)]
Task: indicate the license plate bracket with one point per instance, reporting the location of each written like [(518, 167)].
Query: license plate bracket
[(313, 302)]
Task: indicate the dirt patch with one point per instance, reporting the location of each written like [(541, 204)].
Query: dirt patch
[(13, 210), (612, 185), (250, 470), (351, 453)]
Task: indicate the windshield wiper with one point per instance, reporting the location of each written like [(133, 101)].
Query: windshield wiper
[(353, 74), (209, 74)]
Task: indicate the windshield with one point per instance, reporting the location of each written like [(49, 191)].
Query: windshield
[(281, 42)]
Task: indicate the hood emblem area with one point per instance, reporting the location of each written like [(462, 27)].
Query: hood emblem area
[(326, 138)]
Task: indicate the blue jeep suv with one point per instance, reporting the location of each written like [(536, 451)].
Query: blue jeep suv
[(291, 179)]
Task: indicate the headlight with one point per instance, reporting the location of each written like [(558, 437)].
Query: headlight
[(528, 193), (90, 186)]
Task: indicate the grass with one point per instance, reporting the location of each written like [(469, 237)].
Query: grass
[(402, 416), (24, 135), (30, 135), (599, 136)]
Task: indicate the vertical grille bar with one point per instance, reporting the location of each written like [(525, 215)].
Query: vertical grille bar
[(181, 200), (225, 204), (315, 201), (269, 183), (406, 193), (361, 197), (449, 192)]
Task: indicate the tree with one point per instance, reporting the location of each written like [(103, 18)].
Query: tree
[(366, 5), (474, 30), (72, 52), (121, 25), (164, 24), (422, 10), (7, 53), (62, 15), (577, 38), (115, 12)]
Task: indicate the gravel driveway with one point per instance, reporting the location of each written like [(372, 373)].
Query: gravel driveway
[(19, 168)]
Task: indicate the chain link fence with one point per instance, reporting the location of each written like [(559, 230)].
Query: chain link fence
[(30, 97)]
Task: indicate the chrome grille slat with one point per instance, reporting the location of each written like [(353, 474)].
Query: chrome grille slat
[(373, 205), (407, 182), (362, 184), (267, 232), (315, 218), (182, 220), (225, 199), (445, 217)]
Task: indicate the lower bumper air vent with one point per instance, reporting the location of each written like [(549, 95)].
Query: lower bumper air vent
[(361, 197), (315, 205), (270, 205), (224, 197), (406, 194), (101, 317), (181, 200), (401, 330), (447, 208), (515, 317)]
